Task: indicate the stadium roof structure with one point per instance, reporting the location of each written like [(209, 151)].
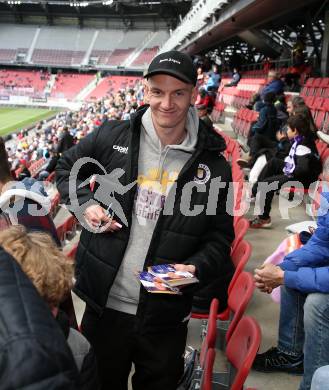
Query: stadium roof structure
[(241, 15), (170, 12)]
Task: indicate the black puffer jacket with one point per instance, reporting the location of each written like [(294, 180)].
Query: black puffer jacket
[(202, 240), (33, 350)]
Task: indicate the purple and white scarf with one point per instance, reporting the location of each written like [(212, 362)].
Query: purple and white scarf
[(289, 161)]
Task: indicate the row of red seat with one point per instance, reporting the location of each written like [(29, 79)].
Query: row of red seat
[(217, 111), (243, 120), (33, 167), (251, 84), (320, 111), (240, 292), (243, 339), (316, 87), (235, 97), (319, 106)]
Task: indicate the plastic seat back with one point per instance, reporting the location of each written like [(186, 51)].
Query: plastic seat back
[(240, 257), (210, 339), (238, 299), (206, 380), (240, 229), (242, 349)]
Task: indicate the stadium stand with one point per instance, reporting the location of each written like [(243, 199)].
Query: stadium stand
[(23, 82), (68, 85), (126, 48), (112, 84)]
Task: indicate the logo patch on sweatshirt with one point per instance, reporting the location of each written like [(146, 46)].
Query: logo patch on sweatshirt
[(203, 174)]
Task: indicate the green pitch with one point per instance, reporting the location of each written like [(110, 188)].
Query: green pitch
[(13, 119)]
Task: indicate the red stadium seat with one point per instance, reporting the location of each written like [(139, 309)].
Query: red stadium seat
[(206, 379), (209, 340), (240, 229), (307, 87), (240, 257), (239, 298), (241, 261), (242, 349)]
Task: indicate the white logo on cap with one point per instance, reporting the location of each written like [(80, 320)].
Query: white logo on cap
[(170, 60)]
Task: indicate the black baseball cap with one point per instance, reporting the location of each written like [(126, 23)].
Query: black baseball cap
[(175, 64)]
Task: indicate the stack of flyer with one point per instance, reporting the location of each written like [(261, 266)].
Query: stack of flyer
[(165, 279)]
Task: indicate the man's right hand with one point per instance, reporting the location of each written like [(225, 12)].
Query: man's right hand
[(99, 221)]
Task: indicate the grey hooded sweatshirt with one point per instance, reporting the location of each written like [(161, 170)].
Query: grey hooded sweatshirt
[(158, 169)]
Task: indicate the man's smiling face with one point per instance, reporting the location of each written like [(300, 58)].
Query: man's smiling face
[(169, 99)]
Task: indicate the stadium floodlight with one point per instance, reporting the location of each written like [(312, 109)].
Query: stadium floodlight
[(14, 2), (107, 2)]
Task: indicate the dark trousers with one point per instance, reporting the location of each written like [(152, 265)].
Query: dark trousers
[(118, 342), (271, 173), (259, 144)]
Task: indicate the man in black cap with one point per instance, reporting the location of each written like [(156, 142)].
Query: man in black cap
[(171, 158)]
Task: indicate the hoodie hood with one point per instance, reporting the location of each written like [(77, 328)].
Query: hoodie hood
[(26, 189), (208, 138), (151, 137), (188, 144)]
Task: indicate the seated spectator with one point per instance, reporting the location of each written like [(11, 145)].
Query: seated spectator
[(306, 113), (292, 82), (252, 103), (24, 171), (66, 140), (33, 351), (304, 315), (281, 110), (263, 132), (205, 99), (50, 167), (302, 164), (293, 103), (200, 79), (274, 85), (51, 273), (213, 79), (265, 153), (31, 205), (203, 115), (235, 79)]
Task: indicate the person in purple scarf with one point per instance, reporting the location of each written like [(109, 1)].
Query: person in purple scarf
[(302, 164)]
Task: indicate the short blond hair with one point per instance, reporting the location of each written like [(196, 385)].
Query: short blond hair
[(42, 261)]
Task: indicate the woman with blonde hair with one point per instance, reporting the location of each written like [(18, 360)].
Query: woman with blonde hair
[(51, 272)]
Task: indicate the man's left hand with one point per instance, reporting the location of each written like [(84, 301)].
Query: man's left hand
[(270, 275)]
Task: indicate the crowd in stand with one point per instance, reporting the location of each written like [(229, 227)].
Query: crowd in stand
[(281, 148), (50, 139)]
